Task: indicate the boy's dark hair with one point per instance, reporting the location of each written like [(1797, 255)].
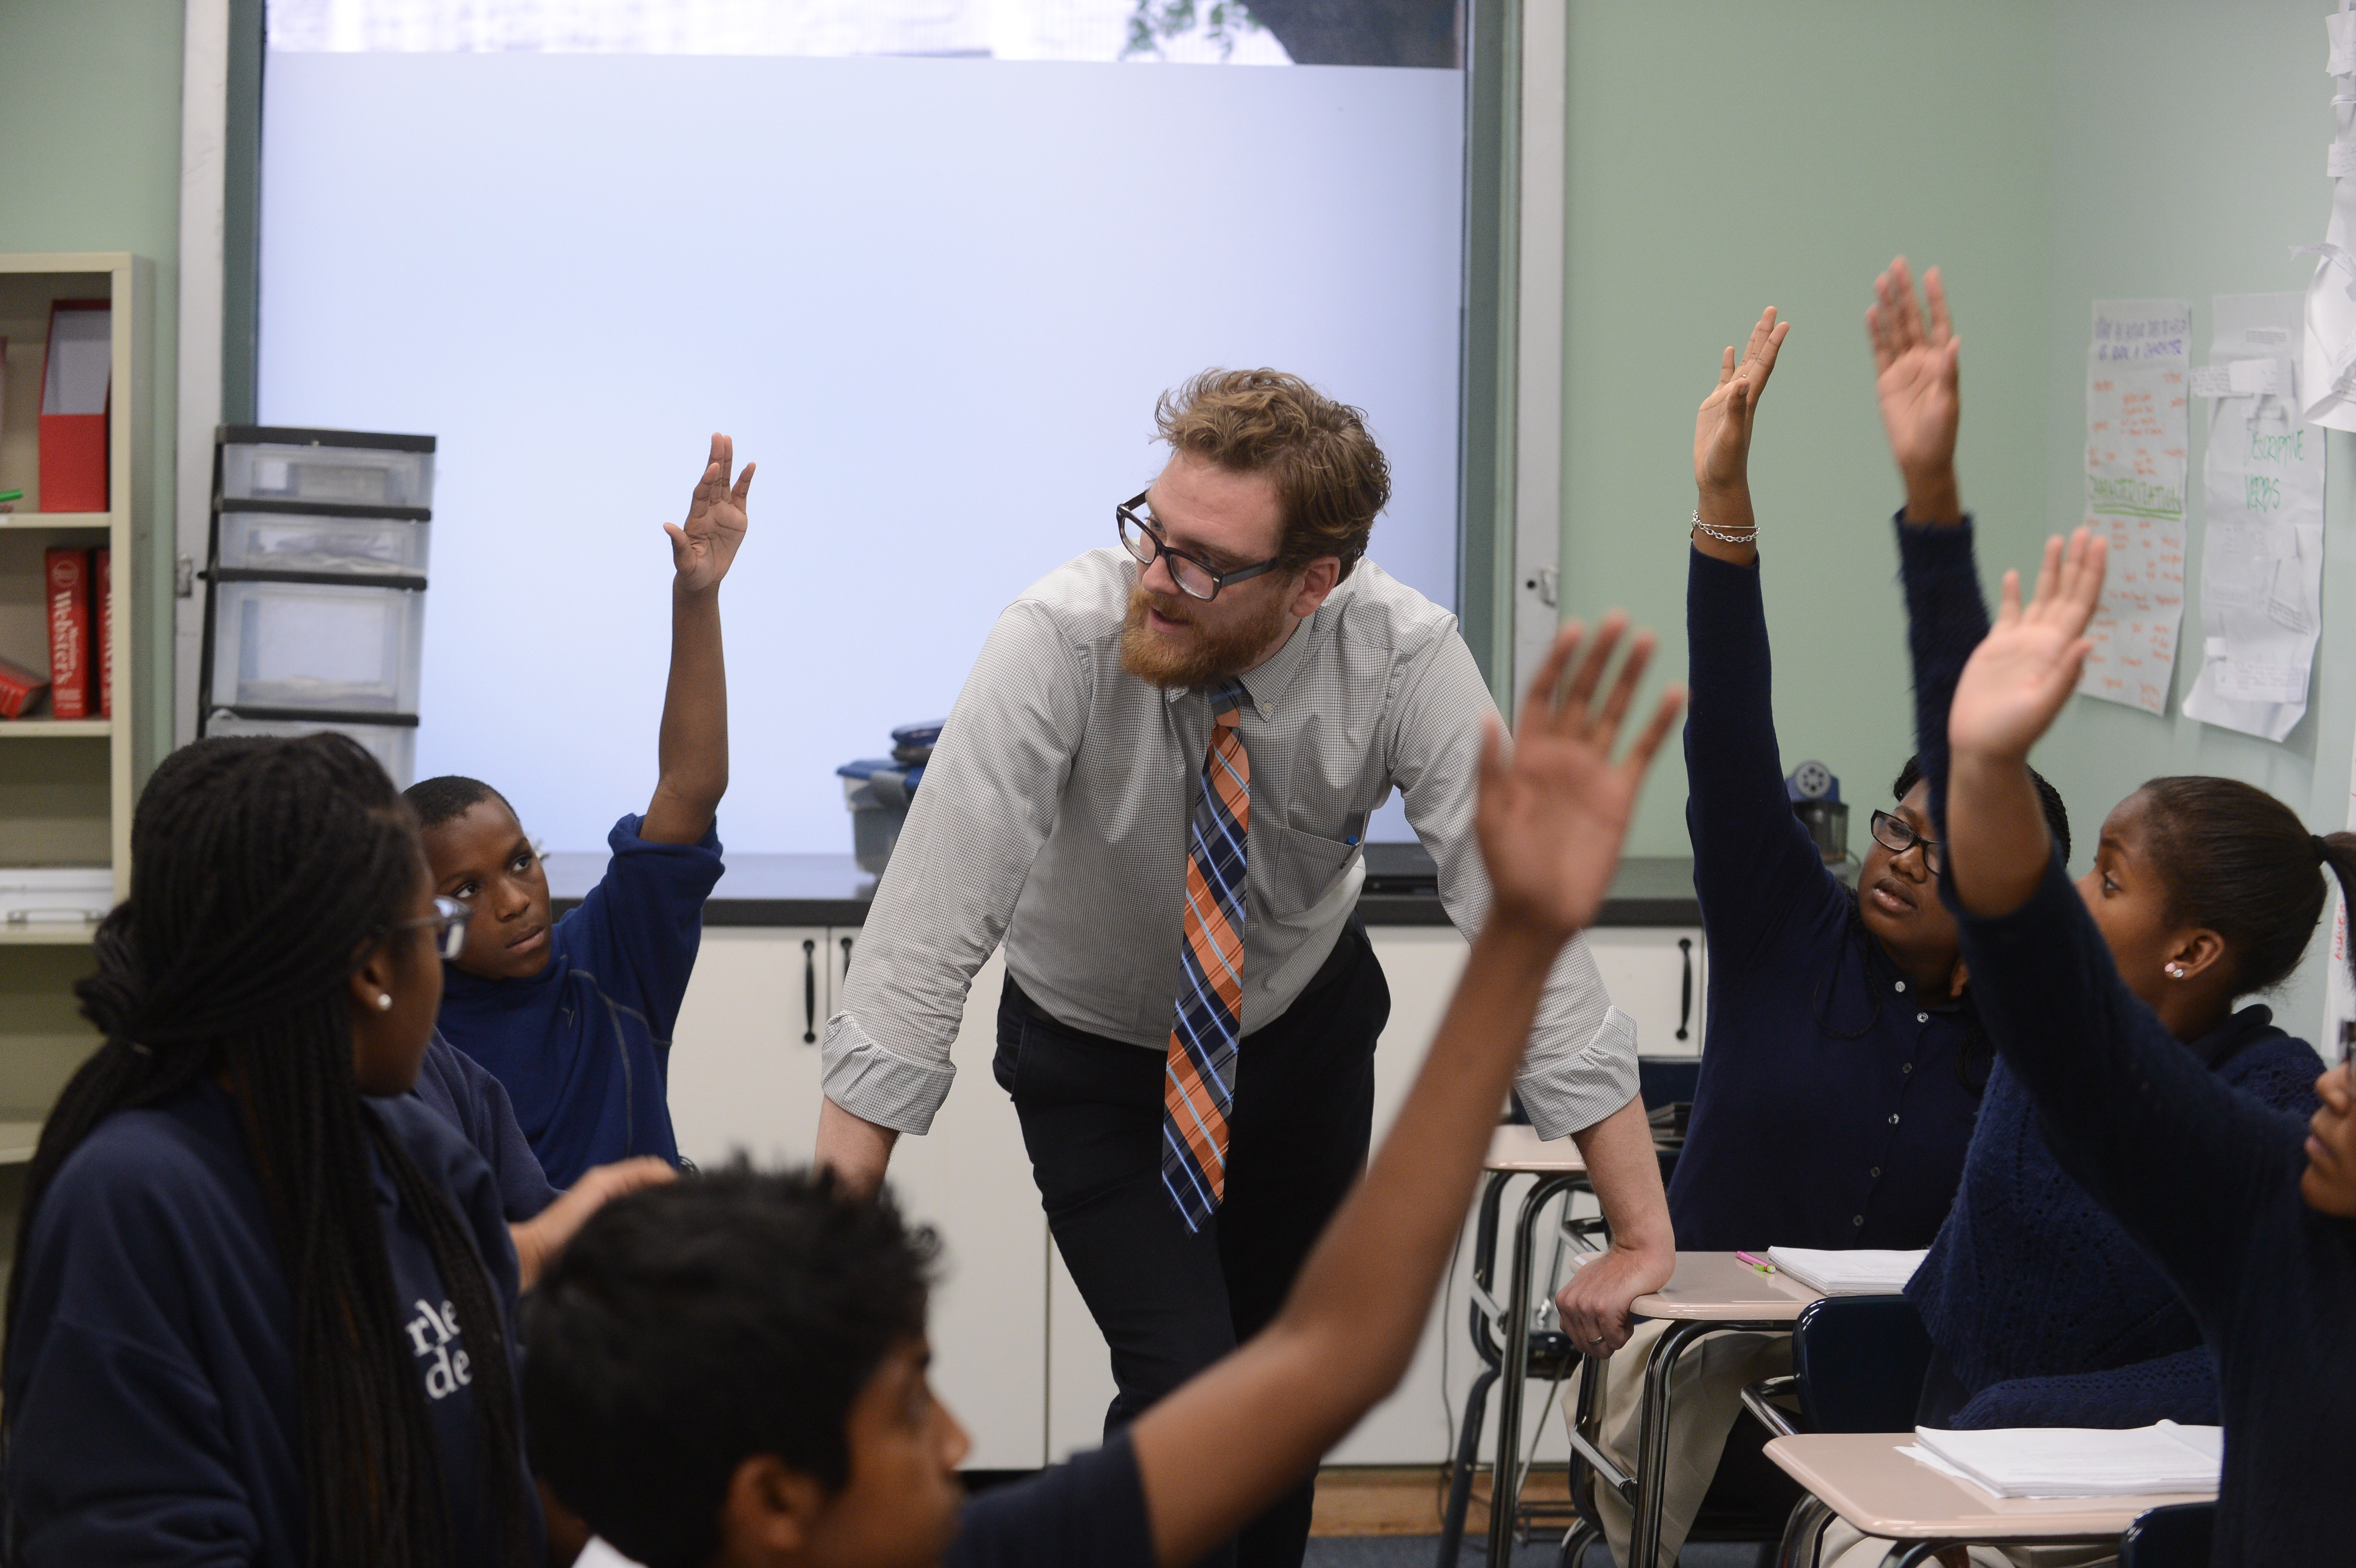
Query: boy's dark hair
[(2057, 816), (2239, 862), (692, 1325), (452, 796), (262, 873)]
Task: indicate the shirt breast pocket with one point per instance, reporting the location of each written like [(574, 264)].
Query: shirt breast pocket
[(1307, 868)]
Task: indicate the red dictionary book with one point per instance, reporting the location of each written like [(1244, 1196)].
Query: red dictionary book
[(74, 394), (17, 687), (69, 598), (102, 591)]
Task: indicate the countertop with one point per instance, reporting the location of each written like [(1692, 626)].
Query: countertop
[(830, 889)]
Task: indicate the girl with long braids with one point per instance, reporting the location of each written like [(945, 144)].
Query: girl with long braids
[(263, 1304)]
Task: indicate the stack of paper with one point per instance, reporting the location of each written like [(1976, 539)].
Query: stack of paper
[(1860, 1271), (2077, 1461)]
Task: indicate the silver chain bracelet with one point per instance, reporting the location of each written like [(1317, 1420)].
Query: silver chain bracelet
[(1720, 535)]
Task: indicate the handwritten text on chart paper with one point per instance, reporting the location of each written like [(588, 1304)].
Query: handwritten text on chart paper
[(2135, 459)]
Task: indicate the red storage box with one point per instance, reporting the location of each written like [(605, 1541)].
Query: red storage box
[(75, 389)]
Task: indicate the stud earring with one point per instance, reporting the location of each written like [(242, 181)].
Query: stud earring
[(2175, 972), (384, 1001)]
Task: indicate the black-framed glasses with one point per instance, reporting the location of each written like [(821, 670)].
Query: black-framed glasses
[(1199, 578), (1893, 835), (449, 923)]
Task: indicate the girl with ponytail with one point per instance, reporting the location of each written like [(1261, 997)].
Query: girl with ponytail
[(2203, 890), (263, 1304)]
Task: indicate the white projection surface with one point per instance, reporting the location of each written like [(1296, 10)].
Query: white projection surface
[(934, 299)]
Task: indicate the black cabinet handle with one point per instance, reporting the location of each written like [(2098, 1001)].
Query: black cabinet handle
[(1685, 991), (846, 956), (810, 991)]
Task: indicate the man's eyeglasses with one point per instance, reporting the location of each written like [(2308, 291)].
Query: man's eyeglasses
[(449, 923), (1893, 835), (1199, 578)]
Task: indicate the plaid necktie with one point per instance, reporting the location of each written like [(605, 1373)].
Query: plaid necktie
[(1199, 1075)]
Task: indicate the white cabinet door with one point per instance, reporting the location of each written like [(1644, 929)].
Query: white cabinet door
[(744, 1055), (1655, 975), (970, 1180)]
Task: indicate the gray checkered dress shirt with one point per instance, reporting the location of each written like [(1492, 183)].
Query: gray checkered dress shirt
[(1052, 819)]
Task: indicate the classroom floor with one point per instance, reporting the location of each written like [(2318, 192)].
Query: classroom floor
[(1369, 1518)]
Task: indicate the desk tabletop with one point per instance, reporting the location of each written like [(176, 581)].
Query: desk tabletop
[(1519, 1148), (1863, 1477), (1711, 1287)]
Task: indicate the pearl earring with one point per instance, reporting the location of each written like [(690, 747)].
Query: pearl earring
[(2175, 972), (384, 1001)]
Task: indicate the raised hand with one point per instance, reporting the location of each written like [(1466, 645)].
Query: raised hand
[(1722, 428), (2027, 665), (1553, 814), (703, 547), (1915, 380)]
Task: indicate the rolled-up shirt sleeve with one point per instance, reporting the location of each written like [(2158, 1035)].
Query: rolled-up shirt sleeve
[(1580, 1066), (987, 803)]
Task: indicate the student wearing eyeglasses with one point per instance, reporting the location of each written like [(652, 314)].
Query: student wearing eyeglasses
[(1153, 792), (1846, 1063)]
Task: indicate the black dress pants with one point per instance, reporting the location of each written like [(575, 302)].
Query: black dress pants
[(1171, 1301)]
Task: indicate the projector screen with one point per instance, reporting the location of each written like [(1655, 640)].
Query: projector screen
[(934, 298)]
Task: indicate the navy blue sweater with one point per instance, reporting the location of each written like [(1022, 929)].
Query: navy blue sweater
[(1833, 1109), (2205, 1179), (475, 1102), (151, 1389), (2041, 1311), (584, 1047)]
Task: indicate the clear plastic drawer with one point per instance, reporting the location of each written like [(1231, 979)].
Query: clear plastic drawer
[(350, 476), (294, 541), (302, 644), (394, 746)]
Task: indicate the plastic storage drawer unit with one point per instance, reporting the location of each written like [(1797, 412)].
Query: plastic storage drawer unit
[(317, 645), (76, 896), (267, 462), (359, 546), (394, 746)]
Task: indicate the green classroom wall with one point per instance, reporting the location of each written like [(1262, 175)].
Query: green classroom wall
[(1725, 156), (90, 160), (2188, 158)]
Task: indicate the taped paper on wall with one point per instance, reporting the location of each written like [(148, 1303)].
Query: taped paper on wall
[(2326, 387), (2135, 441), (2262, 555)]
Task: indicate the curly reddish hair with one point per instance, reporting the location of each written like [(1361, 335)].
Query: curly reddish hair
[(1331, 477)]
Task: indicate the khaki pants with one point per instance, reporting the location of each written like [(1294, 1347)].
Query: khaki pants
[(1705, 1397)]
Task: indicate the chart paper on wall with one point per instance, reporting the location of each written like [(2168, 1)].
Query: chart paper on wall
[(2328, 362), (2262, 552), (2135, 496)]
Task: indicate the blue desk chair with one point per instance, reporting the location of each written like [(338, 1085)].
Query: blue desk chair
[(1857, 1363), (2175, 1536)]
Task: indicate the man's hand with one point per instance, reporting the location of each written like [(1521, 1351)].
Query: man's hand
[(703, 548), (1552, 814), (2026, 668), (1722, 428), (1915, 379), (1593, 1303)]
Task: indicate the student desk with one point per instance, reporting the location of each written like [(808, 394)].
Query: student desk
[(1863, 1477), (1514, 1151), (1708, 1293)]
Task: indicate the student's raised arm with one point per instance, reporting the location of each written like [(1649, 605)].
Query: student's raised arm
[(694, 744), (1551, 818)]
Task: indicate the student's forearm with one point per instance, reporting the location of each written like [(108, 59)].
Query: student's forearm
[(1997, 845), (1726, 510), (1933, 495), (1217, 1451), (694, 749)]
